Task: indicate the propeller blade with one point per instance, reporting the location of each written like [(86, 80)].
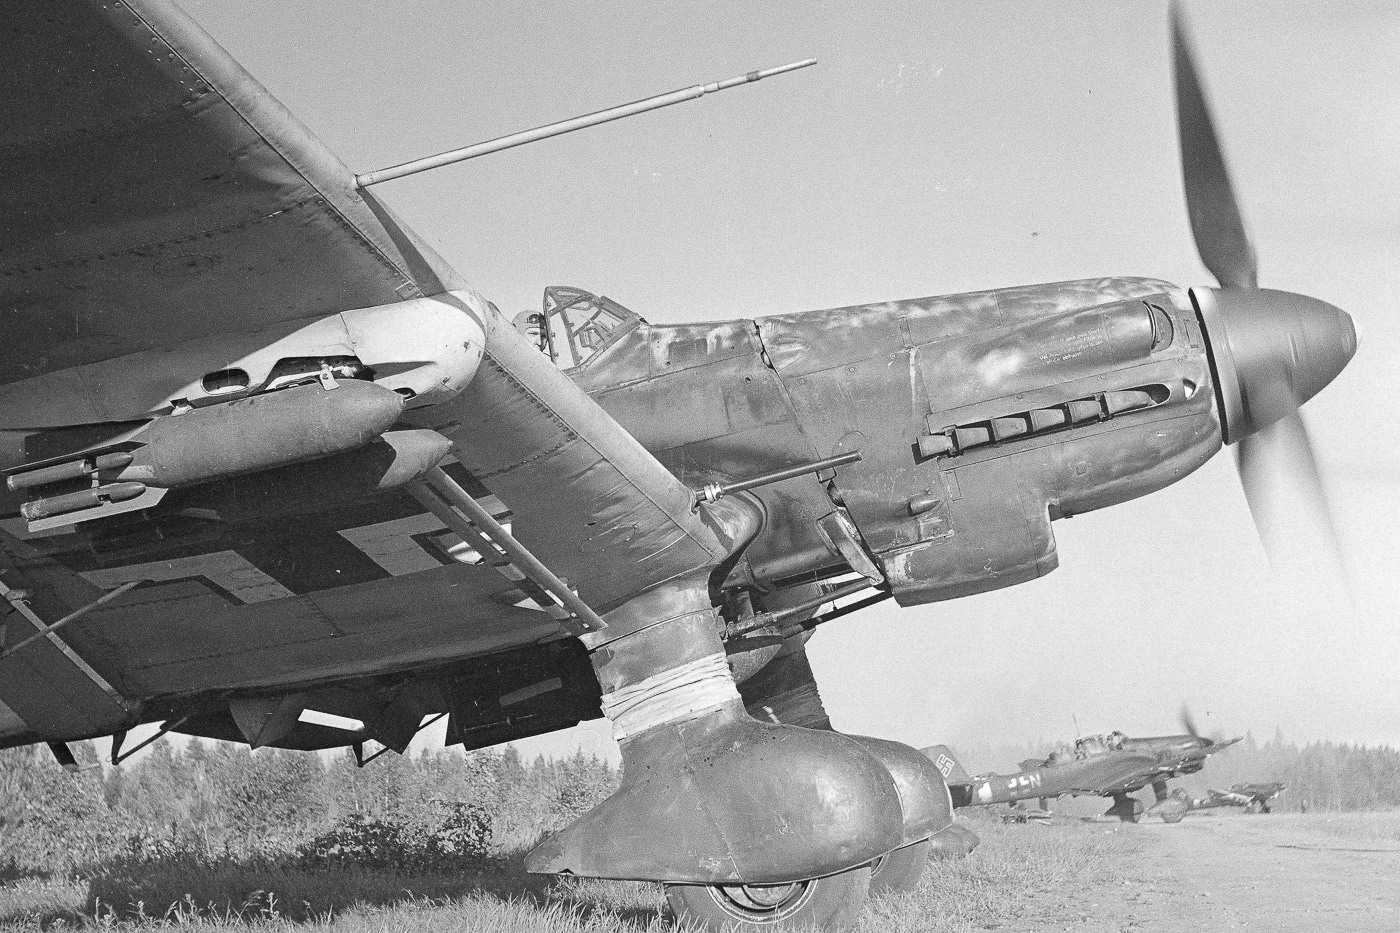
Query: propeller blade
[(1285, 491), (1216, 222), (1188, 723), (1283, 348)]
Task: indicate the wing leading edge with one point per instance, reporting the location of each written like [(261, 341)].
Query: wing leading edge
[(155, 192), (161, 193)]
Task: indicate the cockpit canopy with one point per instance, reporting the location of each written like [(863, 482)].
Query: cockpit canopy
[(1090, 745), (576, 325)]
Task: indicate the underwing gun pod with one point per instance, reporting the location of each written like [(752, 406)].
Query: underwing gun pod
[(116, 436), (148, 446)]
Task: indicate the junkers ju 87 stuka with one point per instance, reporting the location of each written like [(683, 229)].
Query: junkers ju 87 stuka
[(1254, 798), (1113, 765), (277, 474)]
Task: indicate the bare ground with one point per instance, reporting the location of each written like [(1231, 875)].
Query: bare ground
[(1283, 873)]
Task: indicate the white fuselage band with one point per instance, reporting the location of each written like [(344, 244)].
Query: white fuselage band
[(677, 693)]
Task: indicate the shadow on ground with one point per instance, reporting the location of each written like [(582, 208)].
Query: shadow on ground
[(184, 890)]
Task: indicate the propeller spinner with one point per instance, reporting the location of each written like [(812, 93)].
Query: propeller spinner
[(1270, 350)]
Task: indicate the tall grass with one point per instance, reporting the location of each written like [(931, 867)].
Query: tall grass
[(1006, 877), (438, 842), (1001, 882)]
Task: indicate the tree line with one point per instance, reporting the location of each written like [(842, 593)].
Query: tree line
[(220, 800), (212, 800)]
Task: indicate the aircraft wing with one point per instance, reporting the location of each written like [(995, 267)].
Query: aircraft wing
[(1123, 774), (156, 193)]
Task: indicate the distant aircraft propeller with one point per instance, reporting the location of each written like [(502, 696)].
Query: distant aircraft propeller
[(1188, 722), (1271, 350)]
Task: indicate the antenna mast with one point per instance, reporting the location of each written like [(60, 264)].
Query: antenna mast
[(567, 126)]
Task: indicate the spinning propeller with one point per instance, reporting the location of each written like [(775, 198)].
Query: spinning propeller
[(1188, 722), (1210, 743), (1271, 351)]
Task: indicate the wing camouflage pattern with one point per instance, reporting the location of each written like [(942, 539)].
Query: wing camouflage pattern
[(157, 193)]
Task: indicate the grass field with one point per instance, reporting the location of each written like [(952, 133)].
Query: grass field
[(1002, 881), (1369, 827)]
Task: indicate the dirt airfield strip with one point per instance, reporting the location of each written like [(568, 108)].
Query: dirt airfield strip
[(1285, 873), (1215, 871)]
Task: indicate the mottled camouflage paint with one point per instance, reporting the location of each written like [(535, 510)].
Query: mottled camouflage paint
[(781, 390)]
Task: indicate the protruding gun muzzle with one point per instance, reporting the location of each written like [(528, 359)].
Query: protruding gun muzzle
[(1270, 352)]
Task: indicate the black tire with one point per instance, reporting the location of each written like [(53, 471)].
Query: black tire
[(830, 903), (898, 872)]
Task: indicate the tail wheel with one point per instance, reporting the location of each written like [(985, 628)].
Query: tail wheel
[(898, 872), (1171, 817), (830, 903)]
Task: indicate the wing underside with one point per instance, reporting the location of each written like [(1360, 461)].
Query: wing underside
[(156, 193)]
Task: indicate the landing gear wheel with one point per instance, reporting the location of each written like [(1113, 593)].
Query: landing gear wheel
[(1172, 817), (898, 872), (830, 903)]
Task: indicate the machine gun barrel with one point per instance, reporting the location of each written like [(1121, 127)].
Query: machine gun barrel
[(779, 617), (567, 126)]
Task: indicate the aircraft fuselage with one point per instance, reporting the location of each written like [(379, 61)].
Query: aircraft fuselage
[(979, 418)]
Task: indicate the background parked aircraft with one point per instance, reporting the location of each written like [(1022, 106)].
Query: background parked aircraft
[(1112, 765)]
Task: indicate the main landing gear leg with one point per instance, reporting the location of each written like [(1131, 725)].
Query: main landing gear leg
[(748, 824), (1127, 808), (785, 691)]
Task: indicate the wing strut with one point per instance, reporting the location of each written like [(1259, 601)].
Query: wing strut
[(16, 599), (47, 684), (446, 499)]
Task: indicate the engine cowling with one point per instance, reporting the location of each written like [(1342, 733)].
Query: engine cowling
[(1074, 396)]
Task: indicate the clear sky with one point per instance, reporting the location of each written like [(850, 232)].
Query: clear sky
[(936, 148)]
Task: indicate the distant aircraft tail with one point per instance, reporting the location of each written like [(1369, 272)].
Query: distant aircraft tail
[(944, 760)]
